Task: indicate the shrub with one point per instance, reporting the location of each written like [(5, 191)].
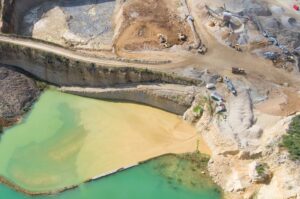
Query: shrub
[(291, 141), (260, 169), (198, 110), (41, 85)]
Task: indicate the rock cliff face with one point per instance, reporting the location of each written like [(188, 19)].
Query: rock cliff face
[(65, 71), (18, 92), (6, 10), (247, 159), (173, 98), (12, 11)]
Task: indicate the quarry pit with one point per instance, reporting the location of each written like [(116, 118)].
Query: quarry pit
[(174, 55)]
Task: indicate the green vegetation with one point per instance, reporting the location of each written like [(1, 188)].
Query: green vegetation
[(261, 169), (210, 107), (41, 85), (198, 158), (291, 141), (189, 170), (198, 110), (204, 102), (255, 195)]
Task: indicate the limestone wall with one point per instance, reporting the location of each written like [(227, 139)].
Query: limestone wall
[(173, 98), (65, 71)]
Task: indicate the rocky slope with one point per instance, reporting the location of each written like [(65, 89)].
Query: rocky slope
[(18, 92), (247, 160), (170, 97)]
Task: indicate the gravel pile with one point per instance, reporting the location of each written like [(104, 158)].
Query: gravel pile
[(18, 92)]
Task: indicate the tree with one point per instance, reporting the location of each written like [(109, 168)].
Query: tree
[(291, 141)]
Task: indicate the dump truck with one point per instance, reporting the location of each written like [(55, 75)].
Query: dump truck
[(210, 86), (230, 86), (217, 97), (238, 71), (272, 55), (221, 108)]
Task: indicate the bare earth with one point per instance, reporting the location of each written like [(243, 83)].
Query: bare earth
[(250, 130)]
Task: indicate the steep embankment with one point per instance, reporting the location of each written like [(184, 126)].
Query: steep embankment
[(64, 67), (173, 98)]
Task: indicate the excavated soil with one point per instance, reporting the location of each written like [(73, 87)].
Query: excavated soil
[(144, 20), (18, 92)]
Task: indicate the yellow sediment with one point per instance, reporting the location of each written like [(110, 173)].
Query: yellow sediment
[(103, 137), (137, 133)]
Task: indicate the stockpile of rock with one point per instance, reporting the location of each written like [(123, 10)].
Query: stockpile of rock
[(18, 92)]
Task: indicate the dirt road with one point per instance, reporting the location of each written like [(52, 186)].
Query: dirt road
[(221, 58), (72, 54)]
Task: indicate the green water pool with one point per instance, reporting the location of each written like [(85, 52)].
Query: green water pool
[(66, 139), (151, 180)]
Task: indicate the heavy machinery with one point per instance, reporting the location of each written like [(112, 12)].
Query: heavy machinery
[(216, 96), (230, 86), (238, 71)]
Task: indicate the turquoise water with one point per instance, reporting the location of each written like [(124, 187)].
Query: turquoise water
[(147, 181), (66, 139)]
